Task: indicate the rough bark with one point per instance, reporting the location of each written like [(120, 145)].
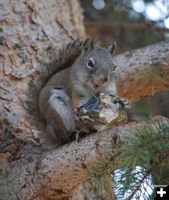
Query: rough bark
[(144, 71), (28, 30), (55, 174)]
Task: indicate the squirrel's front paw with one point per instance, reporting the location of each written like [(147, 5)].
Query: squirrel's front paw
[(122, 101)]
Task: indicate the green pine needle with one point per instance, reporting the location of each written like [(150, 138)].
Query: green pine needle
[(147, 147)]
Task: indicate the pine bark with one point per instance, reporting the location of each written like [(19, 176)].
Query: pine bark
[(29, 29), (144, 71), (29, 32)]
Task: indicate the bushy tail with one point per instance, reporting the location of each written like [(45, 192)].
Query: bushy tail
[(63, 58)]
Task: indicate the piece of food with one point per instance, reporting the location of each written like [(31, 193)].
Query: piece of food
[(102, 111)]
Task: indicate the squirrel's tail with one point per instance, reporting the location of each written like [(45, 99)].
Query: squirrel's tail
[(63, 58)]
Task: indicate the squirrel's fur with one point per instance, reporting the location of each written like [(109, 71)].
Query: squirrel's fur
[(81, 70)]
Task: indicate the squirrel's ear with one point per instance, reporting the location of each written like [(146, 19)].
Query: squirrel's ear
[(88, 44), (112, 48)]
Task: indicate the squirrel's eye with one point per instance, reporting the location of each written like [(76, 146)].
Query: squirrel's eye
[(90, 63)]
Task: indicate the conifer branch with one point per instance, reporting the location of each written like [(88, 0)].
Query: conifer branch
[(147, 147)]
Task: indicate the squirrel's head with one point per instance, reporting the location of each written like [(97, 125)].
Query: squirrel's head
[(96, 67)]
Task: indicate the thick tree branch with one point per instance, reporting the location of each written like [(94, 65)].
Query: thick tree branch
[(144, 71), (59, 171)]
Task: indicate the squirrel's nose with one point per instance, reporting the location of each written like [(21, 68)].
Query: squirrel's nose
[(105, 79), (100, 80)]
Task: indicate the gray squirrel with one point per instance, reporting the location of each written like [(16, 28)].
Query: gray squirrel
[(81, 70)]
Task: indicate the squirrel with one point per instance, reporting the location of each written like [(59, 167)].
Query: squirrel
[(83, 69)]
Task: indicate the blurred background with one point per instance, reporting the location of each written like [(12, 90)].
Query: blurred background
[(131, 23)]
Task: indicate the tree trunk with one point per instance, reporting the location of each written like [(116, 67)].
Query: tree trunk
[(28, 30)]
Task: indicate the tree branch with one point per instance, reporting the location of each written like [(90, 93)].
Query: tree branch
[(144, 71)]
